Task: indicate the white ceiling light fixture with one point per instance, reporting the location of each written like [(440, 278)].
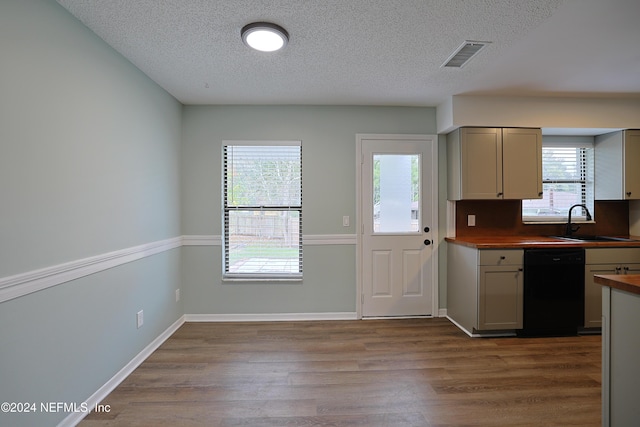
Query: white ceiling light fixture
[(464, 53), (264, 36)]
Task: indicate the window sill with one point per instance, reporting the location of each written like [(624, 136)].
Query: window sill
[(262, 279)]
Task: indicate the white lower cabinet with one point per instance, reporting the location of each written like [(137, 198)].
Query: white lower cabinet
[(604, 261), (620, 354), (485, 288), (593, 294)]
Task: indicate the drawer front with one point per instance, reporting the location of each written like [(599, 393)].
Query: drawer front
[(501, 257), (613, 256)]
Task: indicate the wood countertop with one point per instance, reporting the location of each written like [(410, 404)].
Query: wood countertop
[(525, 242), (624, 282)]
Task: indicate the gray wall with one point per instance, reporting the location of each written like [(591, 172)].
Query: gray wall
[(89, 163), (328, 137), (95, 158)]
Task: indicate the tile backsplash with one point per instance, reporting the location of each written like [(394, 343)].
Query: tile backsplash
[(504, 218)]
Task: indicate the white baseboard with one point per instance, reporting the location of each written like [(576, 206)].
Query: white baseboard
[(428, 316), (485, 334), (269, 317), (74, 418), (442, 312), (460, 327)]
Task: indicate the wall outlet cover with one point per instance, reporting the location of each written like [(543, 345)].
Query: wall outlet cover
[(140, 319)]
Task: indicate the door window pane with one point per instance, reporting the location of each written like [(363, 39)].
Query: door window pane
[(396, 193)]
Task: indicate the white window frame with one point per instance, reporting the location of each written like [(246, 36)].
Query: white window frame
[(228, 275), (587, 180)]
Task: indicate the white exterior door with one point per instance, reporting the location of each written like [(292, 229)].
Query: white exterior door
[(397, 209)]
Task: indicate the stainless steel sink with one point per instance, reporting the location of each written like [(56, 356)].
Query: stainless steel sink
[(578, 238)]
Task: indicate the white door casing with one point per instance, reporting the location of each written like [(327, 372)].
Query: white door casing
[(397, 265)]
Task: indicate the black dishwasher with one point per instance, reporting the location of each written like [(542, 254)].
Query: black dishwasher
[(553, 292)]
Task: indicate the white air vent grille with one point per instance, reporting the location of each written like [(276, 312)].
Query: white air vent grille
[(464, 53)]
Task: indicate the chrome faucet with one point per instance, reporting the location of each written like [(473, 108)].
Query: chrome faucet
[(569, 228)]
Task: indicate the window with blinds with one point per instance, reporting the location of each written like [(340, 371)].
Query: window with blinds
[(567, 179), (262, 203)]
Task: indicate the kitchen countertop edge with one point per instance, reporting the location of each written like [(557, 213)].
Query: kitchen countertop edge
[(624, 282), (525, 242)]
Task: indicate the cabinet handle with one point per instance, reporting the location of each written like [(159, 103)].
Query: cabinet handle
[(499, 195), (540, 194), (503, 257), (628, 193)]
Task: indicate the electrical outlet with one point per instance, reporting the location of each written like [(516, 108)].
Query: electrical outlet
[(140, 318), (345, 221), (471, 220), (177, 295)]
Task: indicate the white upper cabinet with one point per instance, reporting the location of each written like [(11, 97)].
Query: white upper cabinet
[(617, 162), (494, 163)]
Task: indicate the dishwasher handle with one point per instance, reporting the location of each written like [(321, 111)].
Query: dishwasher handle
[(554, 257)]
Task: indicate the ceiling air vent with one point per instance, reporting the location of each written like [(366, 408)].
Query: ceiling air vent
[(464, 53)]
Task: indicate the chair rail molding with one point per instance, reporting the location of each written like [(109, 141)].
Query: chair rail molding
[(32, 281), (25, 283)]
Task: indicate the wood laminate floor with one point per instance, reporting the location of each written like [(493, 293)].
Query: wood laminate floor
[(392, 373)]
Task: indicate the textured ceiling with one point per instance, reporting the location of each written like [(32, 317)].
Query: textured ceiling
[(374, 52)]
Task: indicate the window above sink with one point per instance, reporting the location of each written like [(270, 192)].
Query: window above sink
[(567, 179)]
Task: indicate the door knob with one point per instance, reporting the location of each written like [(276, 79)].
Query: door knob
[(427, 242)]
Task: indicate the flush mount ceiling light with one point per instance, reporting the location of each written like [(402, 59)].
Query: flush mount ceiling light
[(264, 36), (464, 53)]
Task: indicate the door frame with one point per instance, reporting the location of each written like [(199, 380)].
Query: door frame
[(434, 213)]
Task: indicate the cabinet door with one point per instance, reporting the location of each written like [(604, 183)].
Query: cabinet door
[(481, 163), (500, 301), (621, 348), (631, 269), (631, 162), (593, 293), (522, 163)]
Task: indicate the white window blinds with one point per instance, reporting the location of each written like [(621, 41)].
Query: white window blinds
[(262, 202), (567, 179)]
